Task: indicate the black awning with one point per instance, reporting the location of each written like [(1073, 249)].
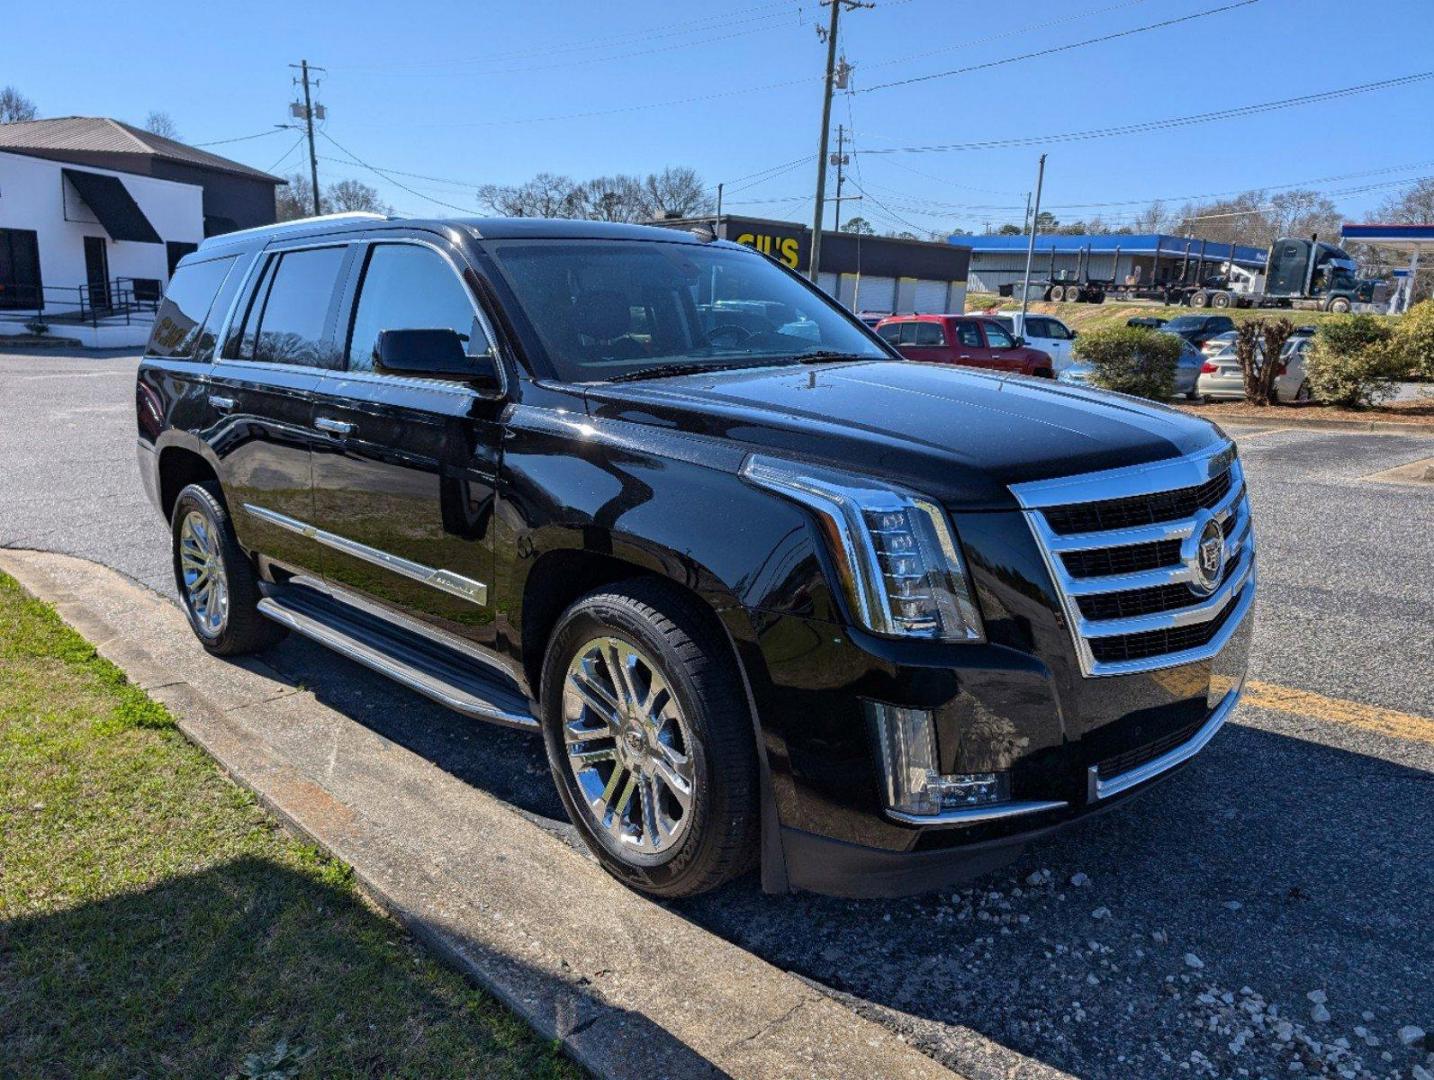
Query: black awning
[(113, 205)]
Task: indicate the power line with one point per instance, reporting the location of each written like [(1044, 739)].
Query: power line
[(356, 160), (1058, 48), (239, 138), (285, 156), (1159, 125)]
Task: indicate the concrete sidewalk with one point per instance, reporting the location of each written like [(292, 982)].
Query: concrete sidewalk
[(628, 986)]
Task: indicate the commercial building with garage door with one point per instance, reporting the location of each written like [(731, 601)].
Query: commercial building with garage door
[(879, 274)]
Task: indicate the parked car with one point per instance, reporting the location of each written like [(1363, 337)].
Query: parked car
[(1222, 378), (1187, 371), (768, 599), (1043, 332), (1198, 329), (966, 340), (871, 318), (1216, 344), (1150, 322)]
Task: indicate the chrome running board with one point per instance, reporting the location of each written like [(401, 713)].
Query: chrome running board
[(434, 670)]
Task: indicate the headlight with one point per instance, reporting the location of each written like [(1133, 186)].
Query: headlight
[(894, 550)]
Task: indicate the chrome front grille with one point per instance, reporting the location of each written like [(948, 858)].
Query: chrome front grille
[(1123, 549)]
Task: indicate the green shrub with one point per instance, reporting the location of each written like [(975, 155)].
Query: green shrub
[(1131, 360), (1353, 363), (1413, 339)]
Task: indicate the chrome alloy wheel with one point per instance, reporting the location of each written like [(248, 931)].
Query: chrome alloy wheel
[(201, 567), (628, 746)]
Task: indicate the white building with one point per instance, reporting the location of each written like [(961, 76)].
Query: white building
[(91, 226)]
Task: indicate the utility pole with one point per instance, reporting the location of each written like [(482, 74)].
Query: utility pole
[(1031, 244), (719, 203), (308, 118), (839, 159), (828, 86)]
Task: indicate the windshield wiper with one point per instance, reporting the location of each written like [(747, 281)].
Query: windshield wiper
[(825, 356), (662, 371)]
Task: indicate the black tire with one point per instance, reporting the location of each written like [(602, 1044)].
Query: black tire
[(1072, 294), (243, 629), (1199, 299), (1338, 304), (1099, 297), (696, 661), (1220, 300), (1304, 393), (1054, 293)]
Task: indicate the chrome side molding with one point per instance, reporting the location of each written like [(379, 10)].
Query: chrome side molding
[(974, 814), (445, 580)]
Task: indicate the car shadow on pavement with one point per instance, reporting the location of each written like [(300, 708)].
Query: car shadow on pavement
[(1269, 864)]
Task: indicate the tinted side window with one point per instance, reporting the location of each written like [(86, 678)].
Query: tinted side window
[(296, 311), (891, 332), (998, 338), (969, 335), (406, 287), (929, 333), (187, 302)]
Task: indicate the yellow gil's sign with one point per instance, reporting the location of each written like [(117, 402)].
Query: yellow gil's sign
[(782, 248)]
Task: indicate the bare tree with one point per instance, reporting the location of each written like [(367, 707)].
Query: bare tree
[(1413, 206), (161, 124), (15, 106), (609, 198), (546, 195), (677, 191), (349, 195), (294, 199), (1153, 219)]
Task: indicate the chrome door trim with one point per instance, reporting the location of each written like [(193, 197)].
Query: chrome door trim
[(445, 580), (1097, 789)]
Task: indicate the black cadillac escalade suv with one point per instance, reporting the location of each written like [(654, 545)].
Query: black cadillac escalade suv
[(770, 594)]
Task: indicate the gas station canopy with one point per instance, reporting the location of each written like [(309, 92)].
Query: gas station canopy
[(1410, 239)]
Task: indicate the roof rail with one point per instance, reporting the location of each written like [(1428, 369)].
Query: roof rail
[(282, 226)]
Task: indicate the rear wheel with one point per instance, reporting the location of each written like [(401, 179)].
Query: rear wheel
[(1072, 294), (1220, 300), (1304, 393), (215, 579), (649, 739), (1199, 299)]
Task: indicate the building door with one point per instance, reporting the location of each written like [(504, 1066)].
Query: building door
[(20, 269), (97, 272)]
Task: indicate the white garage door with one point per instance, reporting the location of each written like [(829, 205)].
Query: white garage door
[(869, 293), (931, 297)]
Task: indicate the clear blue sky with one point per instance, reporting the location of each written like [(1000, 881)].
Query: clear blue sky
[(493, 92)]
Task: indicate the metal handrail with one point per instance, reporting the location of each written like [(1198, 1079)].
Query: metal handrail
[(90, 302)]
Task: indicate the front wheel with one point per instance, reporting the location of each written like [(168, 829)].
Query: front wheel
[(1304, 393), (1339, 305), (214, 578), (650, 740)]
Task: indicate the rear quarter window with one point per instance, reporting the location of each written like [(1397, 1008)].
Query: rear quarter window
[(188, 302)]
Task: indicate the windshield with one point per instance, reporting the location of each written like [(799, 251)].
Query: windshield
[(612, 309), (1184, 323)]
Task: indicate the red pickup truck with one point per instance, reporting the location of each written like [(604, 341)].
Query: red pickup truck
[(962, 339)]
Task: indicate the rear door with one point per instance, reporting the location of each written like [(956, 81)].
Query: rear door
[(925, 341), (405, 469), (279, 346)]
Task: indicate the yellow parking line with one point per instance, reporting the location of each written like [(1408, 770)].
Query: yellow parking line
[(1401, 725)]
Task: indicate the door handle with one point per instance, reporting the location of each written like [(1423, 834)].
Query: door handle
[(223, 404), (336, 427)]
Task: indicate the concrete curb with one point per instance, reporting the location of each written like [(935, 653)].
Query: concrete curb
[(629, 987), (1386, 427)]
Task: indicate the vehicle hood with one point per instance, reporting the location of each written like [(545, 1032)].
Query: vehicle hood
[(959, 435)]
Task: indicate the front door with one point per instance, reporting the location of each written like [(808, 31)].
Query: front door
[(20, 269), (97, 273), (971, 348), (405, 475), (1001, 352)]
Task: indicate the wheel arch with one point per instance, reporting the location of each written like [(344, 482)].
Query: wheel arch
[(182, 461), (562, 574)]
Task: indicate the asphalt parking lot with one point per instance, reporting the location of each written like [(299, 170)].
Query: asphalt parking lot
[(1266, 912)]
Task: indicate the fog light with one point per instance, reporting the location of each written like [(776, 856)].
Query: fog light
[(911, 770)]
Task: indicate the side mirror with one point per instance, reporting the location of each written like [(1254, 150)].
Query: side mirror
[(435, 354), (1020, 341), (1075, 334)]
